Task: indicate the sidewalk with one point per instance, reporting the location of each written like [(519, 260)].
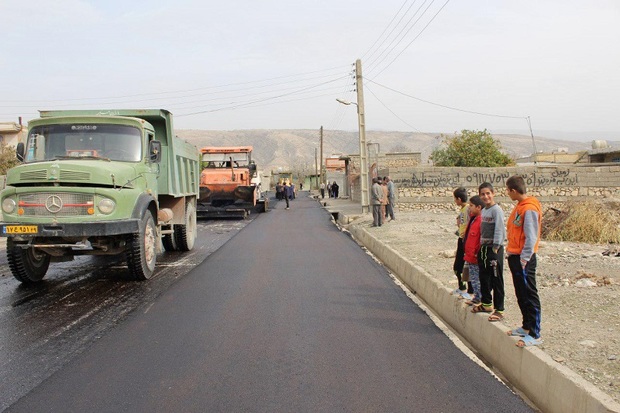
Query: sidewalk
[(551, 386)]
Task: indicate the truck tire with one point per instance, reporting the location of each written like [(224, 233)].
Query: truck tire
[(27, 265), (262, 205), (185, 235), (142, 252), (169, 242)]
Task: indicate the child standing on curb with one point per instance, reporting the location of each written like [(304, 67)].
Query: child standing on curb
[(460, 198), (491, 256), (472, 246), (524, 225)]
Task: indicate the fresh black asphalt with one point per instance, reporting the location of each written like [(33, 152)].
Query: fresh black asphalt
[(290, 315)]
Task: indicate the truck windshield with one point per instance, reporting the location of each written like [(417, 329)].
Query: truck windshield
[(222, 160), (86, 141)]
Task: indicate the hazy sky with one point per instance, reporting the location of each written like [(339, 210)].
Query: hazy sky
[(282, 64)]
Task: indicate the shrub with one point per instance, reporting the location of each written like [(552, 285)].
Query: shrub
[(591, 221)]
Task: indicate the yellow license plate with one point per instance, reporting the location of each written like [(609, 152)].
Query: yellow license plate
[(21, 229)]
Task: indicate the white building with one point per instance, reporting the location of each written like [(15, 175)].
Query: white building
[(11, 133)]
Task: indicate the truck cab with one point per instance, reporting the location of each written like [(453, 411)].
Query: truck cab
[(229, 184)]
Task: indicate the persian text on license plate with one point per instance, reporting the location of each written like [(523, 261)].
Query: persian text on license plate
[(21, 229)]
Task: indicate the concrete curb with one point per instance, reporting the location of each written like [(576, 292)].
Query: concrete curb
[(549, 385)]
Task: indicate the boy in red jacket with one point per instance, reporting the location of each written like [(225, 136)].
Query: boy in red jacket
[(472, 246), (523, 229)]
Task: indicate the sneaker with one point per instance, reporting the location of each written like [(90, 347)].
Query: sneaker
[(466, 295), (287, 208)]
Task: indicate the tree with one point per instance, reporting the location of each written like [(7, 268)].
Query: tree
[(8, 159), (470, 148)]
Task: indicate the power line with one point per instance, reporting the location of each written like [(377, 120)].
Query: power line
[(414, 39), (391, 31), (445, 106), (213, 97), (340, 110), (408, 26), (391, 111), (186, 107), (236, 106), (384, 30), (189, 90)]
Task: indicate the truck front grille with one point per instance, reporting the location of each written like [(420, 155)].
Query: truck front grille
[(74, 175), (65, 175), (55, 204), (33, 175)]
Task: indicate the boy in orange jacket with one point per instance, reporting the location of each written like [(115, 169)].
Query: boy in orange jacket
[(523, 229)]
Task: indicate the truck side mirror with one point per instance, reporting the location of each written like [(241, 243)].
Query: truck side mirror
[(155, 151), (19, 152)]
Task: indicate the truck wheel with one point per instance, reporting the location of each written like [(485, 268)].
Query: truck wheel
[(27, 265), (263, 205), (142, 254), (185, 235), (169, 242)]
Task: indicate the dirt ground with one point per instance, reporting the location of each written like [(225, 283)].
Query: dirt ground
[(579, 289)]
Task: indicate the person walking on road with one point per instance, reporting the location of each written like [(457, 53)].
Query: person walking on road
[(524, 225), (389, 208), (377, 196), (335, 188), (322, 186), (279, 189), (288, 191)]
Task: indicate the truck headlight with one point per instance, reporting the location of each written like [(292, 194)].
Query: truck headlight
[(9, 205), (106, 206)]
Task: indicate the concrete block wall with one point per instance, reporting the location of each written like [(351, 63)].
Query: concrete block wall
[(434, 185)]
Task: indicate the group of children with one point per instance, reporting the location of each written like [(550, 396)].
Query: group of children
[(479, 262)]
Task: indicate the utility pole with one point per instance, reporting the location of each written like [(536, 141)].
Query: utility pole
[(364, 177), (321, 158), (316, 168)]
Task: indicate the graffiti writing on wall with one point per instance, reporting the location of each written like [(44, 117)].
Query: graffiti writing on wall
[(437, 179)]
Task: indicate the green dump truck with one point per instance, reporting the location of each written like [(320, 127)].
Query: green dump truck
[(99, 183)]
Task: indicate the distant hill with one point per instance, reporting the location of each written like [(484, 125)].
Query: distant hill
[(280, 148)]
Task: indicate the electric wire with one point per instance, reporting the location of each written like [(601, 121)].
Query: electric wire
[(382, 33), (391, 111), (236, 106), (414, 39), (186, 107), (380, 46), (189, 90), (445, 106), (169, 101), (400, 36), (340, 111)]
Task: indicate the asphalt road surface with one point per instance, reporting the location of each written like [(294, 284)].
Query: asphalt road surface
[(43, 327), (289, 315)]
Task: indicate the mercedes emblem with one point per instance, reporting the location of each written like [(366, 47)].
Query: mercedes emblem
[(53, 203)]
